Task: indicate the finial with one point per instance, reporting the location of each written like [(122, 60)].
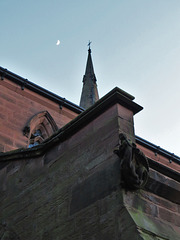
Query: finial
[(89, 44)]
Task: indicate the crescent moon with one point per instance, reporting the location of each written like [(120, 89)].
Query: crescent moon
[(58, 42)]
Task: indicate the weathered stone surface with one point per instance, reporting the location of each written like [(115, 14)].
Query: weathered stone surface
[(155, 227), (36, 195), (134, 165), (163, 186), (7, 233), (73, 190), (96, 187)]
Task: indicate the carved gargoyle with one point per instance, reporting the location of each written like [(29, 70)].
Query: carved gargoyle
[(134, 165)]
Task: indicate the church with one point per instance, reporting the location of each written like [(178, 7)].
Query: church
[(80, 172)]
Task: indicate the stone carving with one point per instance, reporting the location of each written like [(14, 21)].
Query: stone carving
[(133, 164)]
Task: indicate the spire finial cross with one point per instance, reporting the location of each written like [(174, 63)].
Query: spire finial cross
[(89, 44)]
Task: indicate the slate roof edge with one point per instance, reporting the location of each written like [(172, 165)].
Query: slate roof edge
[(25, 83), (164, 170), (157, 149)]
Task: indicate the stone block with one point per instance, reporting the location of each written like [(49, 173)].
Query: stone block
[(94, 188)]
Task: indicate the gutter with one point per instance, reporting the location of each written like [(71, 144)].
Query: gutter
[(157, 150), (25, 83)]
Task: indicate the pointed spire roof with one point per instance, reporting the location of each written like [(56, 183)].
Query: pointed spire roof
[(89, 93)]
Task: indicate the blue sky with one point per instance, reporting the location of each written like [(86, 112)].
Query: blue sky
[(135, 46)]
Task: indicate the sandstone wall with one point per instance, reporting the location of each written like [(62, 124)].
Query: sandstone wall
[(73, 191), (17, 107)]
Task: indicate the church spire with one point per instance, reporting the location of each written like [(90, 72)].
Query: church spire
[(89, 93)]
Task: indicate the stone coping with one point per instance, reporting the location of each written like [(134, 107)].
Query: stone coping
[(115, 96)]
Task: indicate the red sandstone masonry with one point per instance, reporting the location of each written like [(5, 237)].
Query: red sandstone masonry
[(1, 148), (159, 201), (17, 107), (37, 193), (159, 158), (169, 216)]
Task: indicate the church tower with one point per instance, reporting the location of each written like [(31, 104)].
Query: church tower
[(89, 93)]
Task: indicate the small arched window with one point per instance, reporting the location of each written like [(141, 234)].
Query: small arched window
[(40, 127)]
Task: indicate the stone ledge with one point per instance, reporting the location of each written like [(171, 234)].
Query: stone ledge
[(152, 227), (163, 186)]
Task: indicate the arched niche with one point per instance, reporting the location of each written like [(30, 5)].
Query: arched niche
[(39, 127)]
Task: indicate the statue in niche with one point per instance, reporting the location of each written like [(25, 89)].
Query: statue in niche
[(133, 164)]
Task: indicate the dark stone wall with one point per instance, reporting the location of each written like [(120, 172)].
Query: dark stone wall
[(68, 193), (73, 191)]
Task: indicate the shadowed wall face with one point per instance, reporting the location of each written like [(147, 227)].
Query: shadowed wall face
[(73, 191), (69, 192)]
